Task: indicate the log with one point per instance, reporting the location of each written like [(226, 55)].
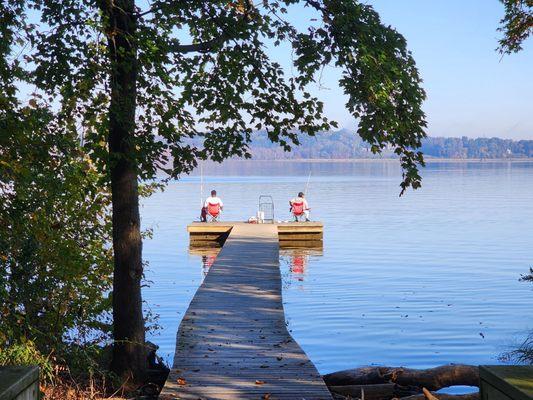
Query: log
[(444, 396), (357, 376), (437, 378), (432, 378), (375, 392)]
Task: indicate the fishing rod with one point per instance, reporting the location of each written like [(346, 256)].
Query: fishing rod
[(202, 212), (201, 184), (307, 185)]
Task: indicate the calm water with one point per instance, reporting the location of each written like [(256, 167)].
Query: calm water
[(423, 280)]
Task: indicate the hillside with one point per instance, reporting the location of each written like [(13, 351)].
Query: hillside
[(344, 144)]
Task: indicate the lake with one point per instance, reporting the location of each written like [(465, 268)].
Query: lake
[(421, 280)]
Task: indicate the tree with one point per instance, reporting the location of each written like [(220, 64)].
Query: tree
[(55, 262), (517, 25), (138, 83)]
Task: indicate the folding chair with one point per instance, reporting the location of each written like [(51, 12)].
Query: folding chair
[(213, 211)]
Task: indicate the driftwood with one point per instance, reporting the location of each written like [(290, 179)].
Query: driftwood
[(443, 396), (431, 379), (375, 392), (394, 392)]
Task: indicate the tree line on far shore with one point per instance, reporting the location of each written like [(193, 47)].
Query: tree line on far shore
[(344, 144)]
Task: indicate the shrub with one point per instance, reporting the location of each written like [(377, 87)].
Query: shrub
[(55, 230), (26, 353)]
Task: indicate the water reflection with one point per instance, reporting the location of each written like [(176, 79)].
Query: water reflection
[(299, 263), (296, 261), (208, 256)]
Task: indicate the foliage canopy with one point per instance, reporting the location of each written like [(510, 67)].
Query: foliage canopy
[(135, 85), (517, 25), (204, 70), (55, 260)]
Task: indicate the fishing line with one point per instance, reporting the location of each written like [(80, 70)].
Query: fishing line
[(201, 184), (307, 185)]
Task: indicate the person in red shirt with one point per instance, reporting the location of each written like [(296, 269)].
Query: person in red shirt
[(300, 208), (213, 205)]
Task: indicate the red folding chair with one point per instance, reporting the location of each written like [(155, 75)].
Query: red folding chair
[(213, 211), (298, 210)]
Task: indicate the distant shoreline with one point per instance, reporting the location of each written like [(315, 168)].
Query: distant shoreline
[(395, 160)]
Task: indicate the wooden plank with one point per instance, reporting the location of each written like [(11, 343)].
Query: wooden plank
[(213, 245), (19, 382), (205, 238), (314, 245), (209, 227), (293, 236), (300, 224), (233, 342), (300, 229), (282, 226)]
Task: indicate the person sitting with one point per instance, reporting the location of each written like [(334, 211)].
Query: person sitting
[(300, 208), (212, 207)]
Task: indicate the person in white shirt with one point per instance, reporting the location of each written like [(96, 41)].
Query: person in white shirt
[(299, 207), (213, 205)]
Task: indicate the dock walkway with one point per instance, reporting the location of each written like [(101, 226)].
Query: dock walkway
[(233, 342)]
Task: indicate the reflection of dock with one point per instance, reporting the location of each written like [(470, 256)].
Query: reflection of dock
[(290, 234), (233, 342), (208, 256)]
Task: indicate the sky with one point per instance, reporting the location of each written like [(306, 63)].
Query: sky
[(472, 91)]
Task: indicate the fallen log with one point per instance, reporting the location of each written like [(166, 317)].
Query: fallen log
[(432, 378), (356, 376), (444, 396), (375, 392)]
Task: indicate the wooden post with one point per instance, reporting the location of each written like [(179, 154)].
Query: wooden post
[(19, 383), (506, 382)]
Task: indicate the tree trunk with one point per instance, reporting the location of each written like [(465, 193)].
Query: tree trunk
[(129, 355)]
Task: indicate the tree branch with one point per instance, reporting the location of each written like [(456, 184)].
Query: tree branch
[(245, 8), (316, 5), (202, 47)]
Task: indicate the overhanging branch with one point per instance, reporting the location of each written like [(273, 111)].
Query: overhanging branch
[(202, 47), (245, 8)]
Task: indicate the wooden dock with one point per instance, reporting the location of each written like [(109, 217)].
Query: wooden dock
[(290, 234), (233, 342)]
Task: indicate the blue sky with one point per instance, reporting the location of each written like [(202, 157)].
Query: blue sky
[(472, 90)]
